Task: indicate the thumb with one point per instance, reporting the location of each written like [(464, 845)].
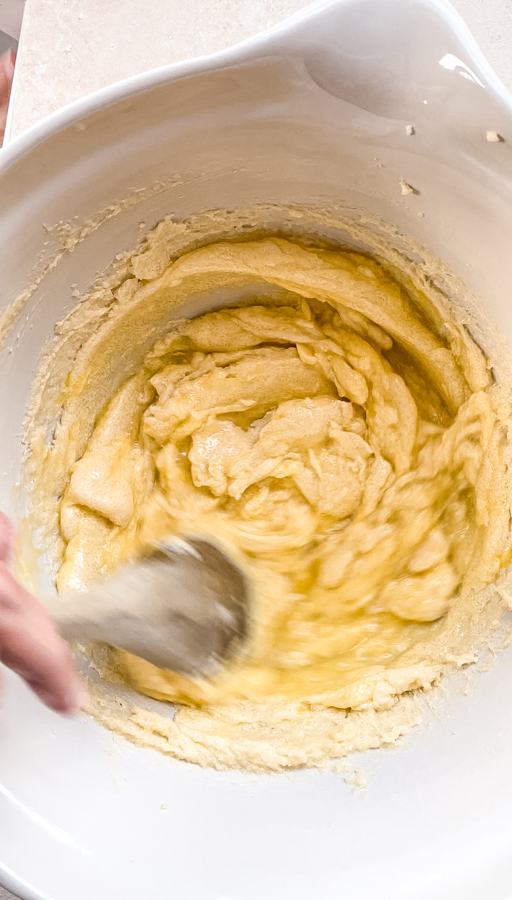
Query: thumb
[(31, 647)]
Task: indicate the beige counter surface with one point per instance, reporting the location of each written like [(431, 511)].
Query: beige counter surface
[(71, 48)]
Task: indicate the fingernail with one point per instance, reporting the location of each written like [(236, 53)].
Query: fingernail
[(78, 696)]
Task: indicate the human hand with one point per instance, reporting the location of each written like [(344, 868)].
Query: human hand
[(29, 643), (7, 61)]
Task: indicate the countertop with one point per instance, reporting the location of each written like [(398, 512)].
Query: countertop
[(72, 47)]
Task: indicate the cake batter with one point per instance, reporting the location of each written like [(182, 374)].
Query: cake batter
[(344, 441)]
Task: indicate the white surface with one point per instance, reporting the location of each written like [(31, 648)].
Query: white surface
[(305, 113), (70, 49)]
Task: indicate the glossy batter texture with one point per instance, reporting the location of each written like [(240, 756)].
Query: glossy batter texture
[(345, 441)]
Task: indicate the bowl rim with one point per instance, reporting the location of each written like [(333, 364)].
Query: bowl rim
[(239, 53)]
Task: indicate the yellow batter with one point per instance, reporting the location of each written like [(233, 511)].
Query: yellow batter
[(346, 452)]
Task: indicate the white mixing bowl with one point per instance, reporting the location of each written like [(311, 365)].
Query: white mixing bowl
[(314, 111)]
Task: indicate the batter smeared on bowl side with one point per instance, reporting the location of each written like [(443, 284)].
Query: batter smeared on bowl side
[(345, 442)]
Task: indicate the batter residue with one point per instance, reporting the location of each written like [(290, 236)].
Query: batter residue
[(345, 451), (341, 434)]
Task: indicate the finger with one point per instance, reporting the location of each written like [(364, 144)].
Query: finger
[(46, 667), (6, 538), (30, 646), (50, 673), (7, 62)]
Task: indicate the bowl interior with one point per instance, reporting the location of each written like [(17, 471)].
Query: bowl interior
[(313, 115)]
